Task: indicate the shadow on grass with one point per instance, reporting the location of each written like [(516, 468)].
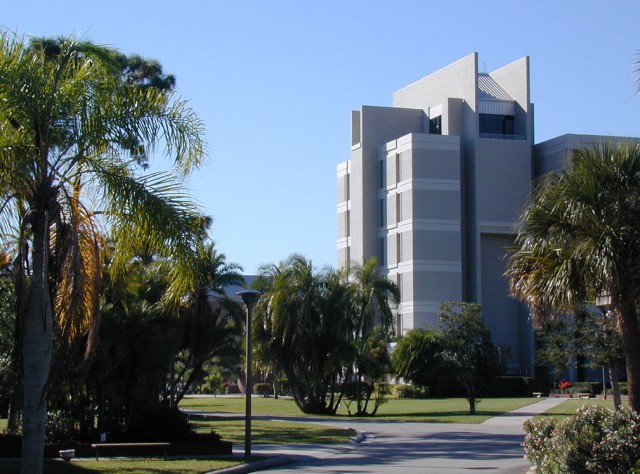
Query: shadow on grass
[(12, 466)]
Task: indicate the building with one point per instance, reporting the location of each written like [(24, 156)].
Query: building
[(433, 187)]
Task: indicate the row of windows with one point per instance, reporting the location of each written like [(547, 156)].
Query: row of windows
[(382, 210)]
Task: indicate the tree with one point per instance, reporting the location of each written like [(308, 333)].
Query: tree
[(373, 298), (7, 331), (70, 132), (416, 357), (468, 355), (210, 322), (584, 339), (578, 242), (302, 327)]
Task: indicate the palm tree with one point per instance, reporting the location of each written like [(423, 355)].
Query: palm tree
[(578, 242), (211, 322), (300, 329), (374, 298), (72, 133)]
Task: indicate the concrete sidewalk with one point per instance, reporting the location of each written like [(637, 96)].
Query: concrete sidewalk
[(516, 417), (389, 447)]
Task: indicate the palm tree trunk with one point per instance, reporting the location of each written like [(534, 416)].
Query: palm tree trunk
[(37, 341), (628, 321), (615, 387)]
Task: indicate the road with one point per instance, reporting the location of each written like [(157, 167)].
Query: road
[(494, 446)]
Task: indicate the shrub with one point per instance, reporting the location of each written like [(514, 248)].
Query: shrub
[(595, 439), (61, 427), (212, 383), (593, 388), (513, 386), (159, 423), (264, 389), (411, 391), (231, 388)]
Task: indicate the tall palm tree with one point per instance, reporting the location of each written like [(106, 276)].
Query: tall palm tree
[(374, 298), (578, 241), (211, 322), (72, 132)]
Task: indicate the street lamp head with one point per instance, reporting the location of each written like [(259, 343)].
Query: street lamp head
[(249, 297)]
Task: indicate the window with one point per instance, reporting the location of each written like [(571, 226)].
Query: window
[(382, 222), (399, 247), (435, 125), (347, 185), (382, 252), (497, 124), (398, 208), (348, 223), (381, 174)]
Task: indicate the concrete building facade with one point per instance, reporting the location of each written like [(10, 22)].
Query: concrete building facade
[(433, 187)]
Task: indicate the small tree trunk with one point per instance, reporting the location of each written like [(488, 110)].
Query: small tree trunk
[(615, 387), (471, 398)]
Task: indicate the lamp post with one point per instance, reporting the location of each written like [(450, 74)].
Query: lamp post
[(250, 298)]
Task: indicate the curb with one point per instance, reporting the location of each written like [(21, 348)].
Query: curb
[(255, 466), (278, 460)]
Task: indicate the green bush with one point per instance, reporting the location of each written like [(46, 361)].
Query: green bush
[(592, 388), (624, 389), (512, 386), (61, 427), (212, 383), (264, 389), (411, 391), (593, 440), (447, 389), (158, 423)]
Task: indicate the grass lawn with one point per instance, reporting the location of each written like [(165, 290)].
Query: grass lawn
[(147, 465), (569, 407), (273, 432), (3, 424), (449, 410)]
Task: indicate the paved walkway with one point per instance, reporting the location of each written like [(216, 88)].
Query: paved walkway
[(494, 446)]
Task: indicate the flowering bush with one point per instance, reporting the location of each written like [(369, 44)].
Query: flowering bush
[(538, 442), (595, 439), (564, 385)]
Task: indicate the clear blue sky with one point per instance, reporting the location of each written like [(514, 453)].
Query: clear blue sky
[(275, 83)]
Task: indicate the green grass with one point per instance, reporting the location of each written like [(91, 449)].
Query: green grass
[(3, 424), (450, 410), (147, 465), (569, 407), (274, 432)]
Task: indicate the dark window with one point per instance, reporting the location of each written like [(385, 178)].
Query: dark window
[(435, 125), (497, 124), (382, 204)]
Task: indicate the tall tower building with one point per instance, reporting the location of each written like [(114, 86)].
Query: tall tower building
[(432, 189)]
